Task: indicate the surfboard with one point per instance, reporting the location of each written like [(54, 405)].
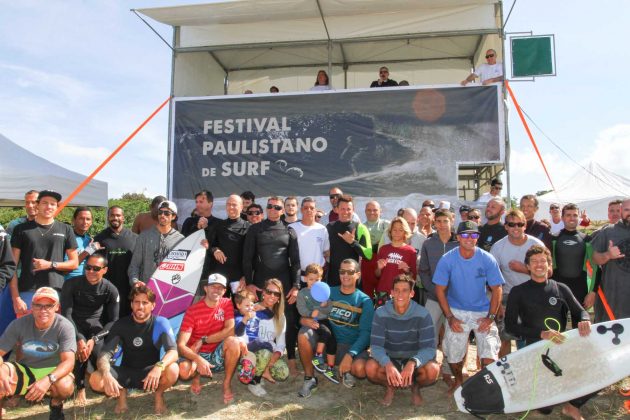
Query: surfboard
[(545, 374), (176, 279)]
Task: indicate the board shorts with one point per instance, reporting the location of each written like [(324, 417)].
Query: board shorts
[(455, 344), (26, 376), (342, 348), (215, 358)]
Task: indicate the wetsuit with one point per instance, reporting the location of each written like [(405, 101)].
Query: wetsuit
[(141, 344), (190, 224), (490, 234), (88, 307), (341, 250), (539, 231), (229, 236), (569, 251)]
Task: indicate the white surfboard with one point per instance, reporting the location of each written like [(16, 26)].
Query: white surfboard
[(177, 277), (544, 374)]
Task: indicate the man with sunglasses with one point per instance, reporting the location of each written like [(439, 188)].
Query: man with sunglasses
[(47, 346), (312, 237), (383, 79), (91, 303), (255, 213), (461, 278), (510, 254), (495, 191), (333, 215), (154, 244), (490, 72)]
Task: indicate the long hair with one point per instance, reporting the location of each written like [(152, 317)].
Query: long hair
[(278, 307)]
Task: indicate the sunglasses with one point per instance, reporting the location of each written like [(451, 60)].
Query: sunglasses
[(515, 224), (271, 292), (94, 268), (318, 216), (348, 272), (41, 307), (471, 235), (496, 188), (489, 55), (164, 213), (474, 217), (554, 208), (274, 206), (254, 213), (331, 196)]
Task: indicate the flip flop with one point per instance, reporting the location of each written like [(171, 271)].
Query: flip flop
[(626, 404), (625, 392)]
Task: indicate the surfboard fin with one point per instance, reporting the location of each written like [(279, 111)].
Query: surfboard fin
[(550, 364)]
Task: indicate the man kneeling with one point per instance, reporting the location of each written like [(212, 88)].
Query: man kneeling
[(403, 344), (47, 344), (141, 335)]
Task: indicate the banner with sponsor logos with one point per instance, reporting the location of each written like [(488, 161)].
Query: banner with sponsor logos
[(377, 142)]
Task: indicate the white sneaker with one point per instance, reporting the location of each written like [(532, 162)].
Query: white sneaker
[(257, 390)]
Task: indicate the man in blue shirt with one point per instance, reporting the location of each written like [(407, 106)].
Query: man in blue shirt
[(460, 278)]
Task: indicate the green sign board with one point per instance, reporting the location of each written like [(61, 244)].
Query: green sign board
[(533, 56)]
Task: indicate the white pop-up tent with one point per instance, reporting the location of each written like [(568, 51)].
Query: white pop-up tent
[(591, 190), (21, 171)]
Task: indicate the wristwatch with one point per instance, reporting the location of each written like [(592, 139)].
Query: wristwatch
[(52, 378), (53, 265), (204, 339), (492, 317), (161, 365)]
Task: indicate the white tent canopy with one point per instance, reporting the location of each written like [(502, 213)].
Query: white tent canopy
[(21, 171), (256, 43), (591, 190)]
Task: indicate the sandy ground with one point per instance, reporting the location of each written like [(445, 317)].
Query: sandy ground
[(330, 401)]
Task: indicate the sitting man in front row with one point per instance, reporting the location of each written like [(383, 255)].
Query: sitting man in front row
[(141, 336), (47, 344), (403, 344)]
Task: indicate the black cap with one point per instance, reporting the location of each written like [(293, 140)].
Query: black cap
[(49, 193), (464, 208), (467, 226)]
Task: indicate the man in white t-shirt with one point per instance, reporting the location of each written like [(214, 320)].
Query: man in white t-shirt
[(510, 254), (490, 72), (312, 237)]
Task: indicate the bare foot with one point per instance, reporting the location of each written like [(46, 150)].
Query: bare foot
[(572, 411), (160, 405), (388, 397), (121, 408), (12, 402), (80, 400), (267, 376), (416, 397), (293, 370), (453, 387), (228, 396), (448, 380), (195, 386)]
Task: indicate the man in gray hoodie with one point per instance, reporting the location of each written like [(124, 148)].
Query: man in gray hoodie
[(153, 245)]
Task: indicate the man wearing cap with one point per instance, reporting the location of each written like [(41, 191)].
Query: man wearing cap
[(206, 340), (460, 278), (144, 221), (46, 343), (141, 336), (495, 191), (463, 212), (40, 246), (154, 244)]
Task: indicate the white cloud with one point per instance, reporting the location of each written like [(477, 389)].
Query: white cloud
[(612, 149), (74, 150)]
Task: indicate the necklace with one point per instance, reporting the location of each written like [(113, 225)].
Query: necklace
[(45, 233)]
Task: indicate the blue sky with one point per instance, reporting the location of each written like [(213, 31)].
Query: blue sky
[(77, 77)]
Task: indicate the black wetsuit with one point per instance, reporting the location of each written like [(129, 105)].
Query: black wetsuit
[(229, 236), (539, 231), (190, 225), (490, 234), (92, 309), (341, 250), (569, 253)]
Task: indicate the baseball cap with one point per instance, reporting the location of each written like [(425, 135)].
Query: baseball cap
[(168, 205), (49, 193), (467, 226), (215, 278), (464, 208), (46, 293)]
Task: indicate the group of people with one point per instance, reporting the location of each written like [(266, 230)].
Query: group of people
[(396, 292), (489, 72)]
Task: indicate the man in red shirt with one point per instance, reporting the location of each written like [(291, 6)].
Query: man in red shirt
[(206, 341)]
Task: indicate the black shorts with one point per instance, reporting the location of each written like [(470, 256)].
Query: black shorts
[(130, 378)]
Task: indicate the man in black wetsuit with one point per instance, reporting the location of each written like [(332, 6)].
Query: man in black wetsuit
[(203, 218), (226, 243), (119, 243), (569, 254), (494, 229), (271, 251), (538, 299), (348, 239), (529, 207), (89, 301), (141, 337)]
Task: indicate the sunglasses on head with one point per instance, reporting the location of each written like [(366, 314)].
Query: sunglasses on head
[(271, 292), (274, 206), (254, 213), (94, 268), (515, 224), (471, 235), (348, 272), (489, 55), (164, 213)]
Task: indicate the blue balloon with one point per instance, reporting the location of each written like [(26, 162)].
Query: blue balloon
[(320, 291)]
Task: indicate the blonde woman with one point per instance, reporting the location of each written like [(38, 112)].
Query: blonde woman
[(270, 329)]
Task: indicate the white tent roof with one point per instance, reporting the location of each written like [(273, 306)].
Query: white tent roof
[(591, 190), (21, 170), (264, 41)]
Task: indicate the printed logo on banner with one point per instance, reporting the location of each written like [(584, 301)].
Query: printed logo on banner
[(172, 266), (178, 255)]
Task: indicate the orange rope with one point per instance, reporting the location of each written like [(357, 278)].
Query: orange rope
[(602, 297), (110, 157), (529, 133)]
